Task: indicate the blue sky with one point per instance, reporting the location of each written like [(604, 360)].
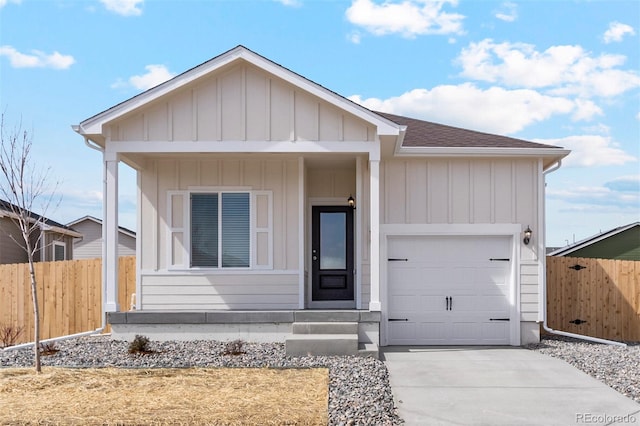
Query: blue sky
[(560, 72)]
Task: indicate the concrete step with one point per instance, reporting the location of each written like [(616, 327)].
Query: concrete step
[(368, 350), (321, 344), (325, 328)]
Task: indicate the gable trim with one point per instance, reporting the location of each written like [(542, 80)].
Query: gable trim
[(93, 125)]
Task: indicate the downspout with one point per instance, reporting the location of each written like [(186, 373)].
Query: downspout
[(545, 326), (104, 315)]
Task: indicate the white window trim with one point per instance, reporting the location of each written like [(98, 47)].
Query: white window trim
[(59, 244), (255, 230), (185, 229)]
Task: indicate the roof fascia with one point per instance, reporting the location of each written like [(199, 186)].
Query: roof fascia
[(99, 222), (93, 125), (58, 230), (82, 219), (435, 151)]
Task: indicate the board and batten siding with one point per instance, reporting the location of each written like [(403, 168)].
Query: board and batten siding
[(467, 191), (240, 103), (165, 287)]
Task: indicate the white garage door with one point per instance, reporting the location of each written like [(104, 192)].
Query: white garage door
[(449, 290)]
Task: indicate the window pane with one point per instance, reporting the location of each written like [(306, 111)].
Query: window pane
[(58, 252), (333, 244), (235, 230), (204, 230)]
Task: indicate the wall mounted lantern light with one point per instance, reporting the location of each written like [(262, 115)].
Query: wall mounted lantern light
[(352, 202), (527, 235)]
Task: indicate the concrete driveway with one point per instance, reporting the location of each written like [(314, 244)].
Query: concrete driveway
[(499, 386)]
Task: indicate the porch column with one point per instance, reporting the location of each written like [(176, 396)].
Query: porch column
[(110, 233), (374, 209)]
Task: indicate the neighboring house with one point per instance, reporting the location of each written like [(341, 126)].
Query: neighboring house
[(89, 245), (245, 174), (621, 243), (53, 241)]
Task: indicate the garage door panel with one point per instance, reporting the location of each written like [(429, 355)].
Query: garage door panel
[(449, 289), (496, 303), (435, 332), (464, 332), (493, 332), (403, 331), (408, 281)]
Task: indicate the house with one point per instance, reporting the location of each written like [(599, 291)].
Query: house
[(270, 206), (89, 245), (53, 241), (621, 243)]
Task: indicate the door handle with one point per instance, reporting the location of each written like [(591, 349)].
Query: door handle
[(449, 303)]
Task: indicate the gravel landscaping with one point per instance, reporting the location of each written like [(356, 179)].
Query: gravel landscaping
[(359, 390), (615, 366)]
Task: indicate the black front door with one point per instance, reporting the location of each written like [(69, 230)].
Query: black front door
[(332, 253)]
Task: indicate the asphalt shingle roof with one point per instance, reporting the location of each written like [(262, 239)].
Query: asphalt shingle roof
[(426, 134)]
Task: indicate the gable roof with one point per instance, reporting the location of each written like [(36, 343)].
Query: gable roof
[(121, 229), (7, 208), (93, 126), (592, 240)]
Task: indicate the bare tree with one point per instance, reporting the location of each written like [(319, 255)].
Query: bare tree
[(24, 186)]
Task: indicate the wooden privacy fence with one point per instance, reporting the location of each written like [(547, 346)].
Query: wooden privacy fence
[(594, 297), (69, 296)]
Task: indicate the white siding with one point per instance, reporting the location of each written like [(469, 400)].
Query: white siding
[(224, 292), (529, 291), (240, 103)]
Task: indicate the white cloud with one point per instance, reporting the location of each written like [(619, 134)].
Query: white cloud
[(617, 31), (597, 128), (354, 37), (124, 7), (493, 110), (3, 3), (585, 110), (591, 150), (508, 12), (156, 74), (290, 3), (629, 183), (408, 18), (563, 70), (36, 59), (596, 199)]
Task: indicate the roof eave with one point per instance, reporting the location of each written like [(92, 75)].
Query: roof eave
[(481, 151)]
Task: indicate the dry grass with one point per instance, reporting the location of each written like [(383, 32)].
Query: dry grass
[(216, 396)]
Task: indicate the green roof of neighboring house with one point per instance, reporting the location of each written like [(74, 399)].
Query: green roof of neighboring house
[(622, 243)]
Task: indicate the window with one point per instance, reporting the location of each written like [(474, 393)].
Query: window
[(59, 251), (220, 230)]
